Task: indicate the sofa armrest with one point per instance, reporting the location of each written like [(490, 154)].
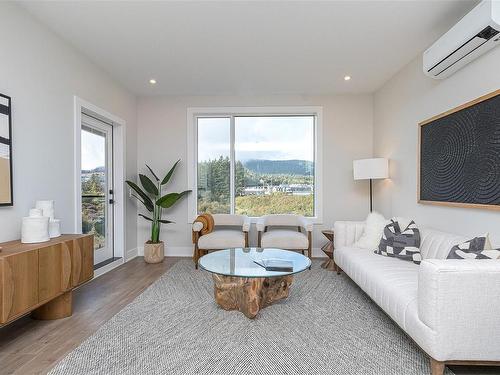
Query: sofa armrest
[(460, 301), (347, 232)]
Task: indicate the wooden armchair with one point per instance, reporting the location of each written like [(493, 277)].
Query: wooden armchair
[(288, 236), (229, 231)]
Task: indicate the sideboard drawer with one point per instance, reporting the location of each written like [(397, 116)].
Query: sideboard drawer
[(82, 260), (54, 266), (19, 284)]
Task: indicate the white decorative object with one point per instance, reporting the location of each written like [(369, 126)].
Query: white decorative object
[(36, 212), (54, 228), (47, 207), (374, 228), (40, 225), (35, 229)]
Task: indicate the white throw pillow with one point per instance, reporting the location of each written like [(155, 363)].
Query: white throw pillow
[(374, 228)]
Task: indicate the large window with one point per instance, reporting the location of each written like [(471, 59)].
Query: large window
[(253, 164)]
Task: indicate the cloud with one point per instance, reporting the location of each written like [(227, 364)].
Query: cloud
[(273, 138)]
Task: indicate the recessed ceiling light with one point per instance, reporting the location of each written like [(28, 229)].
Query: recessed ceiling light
[(152, 81), (347, 78)]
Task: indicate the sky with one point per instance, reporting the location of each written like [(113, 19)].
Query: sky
[(270, 138), (93, 150)]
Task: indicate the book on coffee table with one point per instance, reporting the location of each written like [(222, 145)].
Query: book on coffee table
[(279, 265)]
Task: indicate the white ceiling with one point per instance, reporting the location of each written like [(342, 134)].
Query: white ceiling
[(253, 47)]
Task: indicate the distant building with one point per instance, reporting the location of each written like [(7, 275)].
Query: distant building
[(292, 189)]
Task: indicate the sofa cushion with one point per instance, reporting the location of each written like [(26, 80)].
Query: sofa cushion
[(473, 249), (374, 228), (436, 244), (400, 243), (392, 283), (222, 239), (285, 239)]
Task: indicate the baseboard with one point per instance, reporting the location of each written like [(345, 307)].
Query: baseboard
[(187, 251), (132, 253), (171, 251)]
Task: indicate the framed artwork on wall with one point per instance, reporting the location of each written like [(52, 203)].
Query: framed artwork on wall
[(6, 189), (459, 156)]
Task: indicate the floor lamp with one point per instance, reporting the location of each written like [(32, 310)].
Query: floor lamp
[(371, 169)]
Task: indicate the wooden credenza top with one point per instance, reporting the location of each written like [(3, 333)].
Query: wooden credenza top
[(17, 247)]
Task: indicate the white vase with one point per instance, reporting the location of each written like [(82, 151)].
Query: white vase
[(47, 208), (36, 212), (35, 229), (54, 228)]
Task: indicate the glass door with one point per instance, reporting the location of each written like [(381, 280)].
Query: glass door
[(97, 185)]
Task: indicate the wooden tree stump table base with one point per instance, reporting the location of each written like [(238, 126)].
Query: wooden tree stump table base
[(249, 294)]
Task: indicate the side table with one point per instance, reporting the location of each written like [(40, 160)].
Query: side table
[(328, 249)]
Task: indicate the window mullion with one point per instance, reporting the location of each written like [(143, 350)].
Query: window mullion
[(232, 164)]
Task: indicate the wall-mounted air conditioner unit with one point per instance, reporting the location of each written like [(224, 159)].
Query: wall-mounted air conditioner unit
[(475, 34)]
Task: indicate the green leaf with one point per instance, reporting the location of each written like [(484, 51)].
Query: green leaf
[(166, 221), (154, 174), (170, 199), (170, 173), (145, 217), (139, 199), (148, 184), (148, 203)]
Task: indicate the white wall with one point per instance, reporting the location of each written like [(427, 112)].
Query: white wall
[(403, 102), (42, 74), (347, 135)]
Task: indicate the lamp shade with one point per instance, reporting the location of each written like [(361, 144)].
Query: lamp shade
[(375, 168)]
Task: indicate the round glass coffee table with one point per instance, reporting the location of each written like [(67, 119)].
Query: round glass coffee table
[(242, 284)]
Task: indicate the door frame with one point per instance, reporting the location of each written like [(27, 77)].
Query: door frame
[(119, 173), (90, 123)]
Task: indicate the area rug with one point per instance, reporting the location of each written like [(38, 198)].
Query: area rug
[(326, 326)]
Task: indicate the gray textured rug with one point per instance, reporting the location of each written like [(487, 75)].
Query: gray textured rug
[(326, 326)]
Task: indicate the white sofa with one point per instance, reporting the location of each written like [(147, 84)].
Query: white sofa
[(450, 308)]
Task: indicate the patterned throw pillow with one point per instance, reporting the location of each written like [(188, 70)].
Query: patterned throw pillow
[(476, 248), (400, 244)]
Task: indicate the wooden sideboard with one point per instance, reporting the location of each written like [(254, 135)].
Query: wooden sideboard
[(39, 278)]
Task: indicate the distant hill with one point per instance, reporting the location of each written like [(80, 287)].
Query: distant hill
[(296, 167), (95, 170)]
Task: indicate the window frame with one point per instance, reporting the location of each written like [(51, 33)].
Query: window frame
[(193, 113)]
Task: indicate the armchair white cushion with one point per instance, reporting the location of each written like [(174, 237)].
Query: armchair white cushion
[(227, 220), (285, 220), (242, 221), (284, 239), (222, 239)]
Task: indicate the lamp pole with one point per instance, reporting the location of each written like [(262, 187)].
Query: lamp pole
[(371, 199)]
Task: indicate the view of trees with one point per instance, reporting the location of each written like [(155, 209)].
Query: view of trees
[(261, 187), (93, 205)]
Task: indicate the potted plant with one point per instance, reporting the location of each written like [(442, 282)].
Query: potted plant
[(151, 197)]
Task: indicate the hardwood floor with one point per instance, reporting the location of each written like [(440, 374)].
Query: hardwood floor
[(30, 346)]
